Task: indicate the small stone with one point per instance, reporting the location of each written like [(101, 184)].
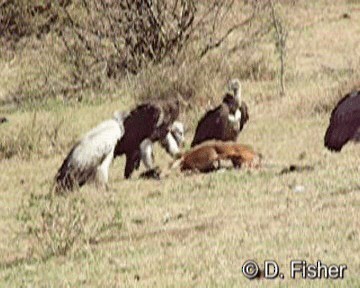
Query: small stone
[(3, 120), (299, 189), (138, 221), (167, 218)]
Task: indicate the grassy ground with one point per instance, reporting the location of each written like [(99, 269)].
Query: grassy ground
[(194, 230)]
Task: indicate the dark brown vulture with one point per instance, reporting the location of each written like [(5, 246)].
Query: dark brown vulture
[(226, 121), (344, 122), (146, 124)]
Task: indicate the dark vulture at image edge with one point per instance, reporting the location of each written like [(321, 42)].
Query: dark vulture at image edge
[(214, 125), (344, 122), (147, 121)]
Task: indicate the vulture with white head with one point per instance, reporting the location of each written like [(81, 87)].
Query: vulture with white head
[(145, 125), (174, 139), (344, 122), (226, 121), (90, 158)]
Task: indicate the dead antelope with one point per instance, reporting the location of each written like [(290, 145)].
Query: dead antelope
[(207, 157)]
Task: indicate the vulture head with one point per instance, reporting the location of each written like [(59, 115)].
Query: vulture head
[(178, 131), (174, 139), (120, 116), (234, 86)]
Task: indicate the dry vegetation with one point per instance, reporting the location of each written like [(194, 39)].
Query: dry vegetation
[(184, 230)]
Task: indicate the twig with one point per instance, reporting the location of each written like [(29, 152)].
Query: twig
[(280, 38)]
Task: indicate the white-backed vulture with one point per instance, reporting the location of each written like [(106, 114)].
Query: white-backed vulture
[(90, 158), (226, 121), (145, 125), (344, 122)]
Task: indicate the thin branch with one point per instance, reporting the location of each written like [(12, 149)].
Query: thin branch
[(216, 44)]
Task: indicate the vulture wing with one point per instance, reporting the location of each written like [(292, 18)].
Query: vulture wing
[(244, 115), (140, 124), (344, 122), (171, 110), (147, 121), (211, 125), (97, 144)]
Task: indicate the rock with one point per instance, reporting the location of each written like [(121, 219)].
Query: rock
[(299, 189), (151, 174), (167, 218), (3, 120)]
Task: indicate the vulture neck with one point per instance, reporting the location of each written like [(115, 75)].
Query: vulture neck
[(237, 95)]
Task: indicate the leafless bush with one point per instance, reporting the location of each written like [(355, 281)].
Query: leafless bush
[(34, 138), (19, 18), (123, 36), (59, 225), (114, 38), (100, 40), (280, 43), (255, 69)]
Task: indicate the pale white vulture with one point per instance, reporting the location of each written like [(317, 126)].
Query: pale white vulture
[(90, 158)]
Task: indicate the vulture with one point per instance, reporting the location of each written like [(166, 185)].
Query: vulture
[(171, 143), (90, 158), (344, 122), (225, 121), (145, 125)]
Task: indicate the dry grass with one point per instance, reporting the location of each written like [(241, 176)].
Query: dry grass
[(194, 230)]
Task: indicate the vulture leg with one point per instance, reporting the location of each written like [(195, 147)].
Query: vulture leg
[(103, 170), (132, 162), (147, 157), (147, 154)]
